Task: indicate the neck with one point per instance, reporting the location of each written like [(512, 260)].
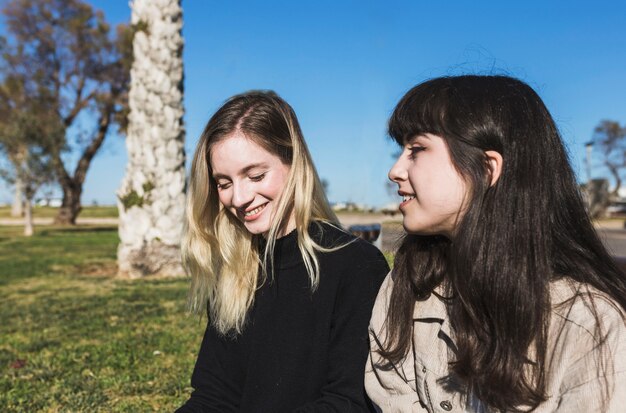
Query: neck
[(291, 225), (286, 228)]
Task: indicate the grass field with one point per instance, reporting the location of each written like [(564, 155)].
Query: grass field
[(48, 212), (75, 339)]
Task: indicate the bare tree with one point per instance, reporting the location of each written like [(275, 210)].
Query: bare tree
[(610, 139), (66, 49)]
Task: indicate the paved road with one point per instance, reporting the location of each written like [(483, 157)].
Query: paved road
[(614, 240), (612, 233)]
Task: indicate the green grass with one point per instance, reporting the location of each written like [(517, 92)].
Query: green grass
[(48, 212), (74, 338)]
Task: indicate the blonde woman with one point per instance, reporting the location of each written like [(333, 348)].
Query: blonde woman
[(288, 293)]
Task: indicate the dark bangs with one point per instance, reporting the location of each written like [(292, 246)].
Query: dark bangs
[(422, 110)]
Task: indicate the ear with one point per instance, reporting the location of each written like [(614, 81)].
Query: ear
[(494, 164)]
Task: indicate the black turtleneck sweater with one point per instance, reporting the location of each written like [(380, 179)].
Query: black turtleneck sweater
[(300, 351)]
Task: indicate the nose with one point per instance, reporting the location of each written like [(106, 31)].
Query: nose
[(398, 171), (242, 196)]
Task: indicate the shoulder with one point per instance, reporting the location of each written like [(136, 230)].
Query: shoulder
[(329, 235), (586, 338), (381, 305), (583, 307), (347, 256), (342, 244), (586, 321)]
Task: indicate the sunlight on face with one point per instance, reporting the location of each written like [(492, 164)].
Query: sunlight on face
[(249, 180), (433, 191)]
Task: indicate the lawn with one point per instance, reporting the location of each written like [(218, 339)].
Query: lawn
[(49, 212), (74, 338)]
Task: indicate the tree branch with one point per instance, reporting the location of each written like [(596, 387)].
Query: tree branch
[(78, 106), (106, 115)]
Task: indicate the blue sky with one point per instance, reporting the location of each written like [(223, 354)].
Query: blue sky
[(343, 65)]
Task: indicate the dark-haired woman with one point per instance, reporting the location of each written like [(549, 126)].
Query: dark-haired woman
[(288, 293), (502, 298)]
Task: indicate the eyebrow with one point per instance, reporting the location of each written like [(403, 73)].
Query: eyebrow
[(244, 171)]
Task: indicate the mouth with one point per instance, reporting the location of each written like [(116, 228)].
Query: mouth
[(252, 214), (406, 198)]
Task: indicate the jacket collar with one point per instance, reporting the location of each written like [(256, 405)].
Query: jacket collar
[(433, 309)]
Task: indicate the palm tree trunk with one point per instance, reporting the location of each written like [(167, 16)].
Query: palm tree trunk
[(151, 197)]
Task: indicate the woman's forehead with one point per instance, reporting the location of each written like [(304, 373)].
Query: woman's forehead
[(238, 152)]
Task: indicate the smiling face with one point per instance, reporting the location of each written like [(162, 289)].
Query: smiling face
[(249, 180), (432, 189)]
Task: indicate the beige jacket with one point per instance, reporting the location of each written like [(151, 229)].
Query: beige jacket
[(574, 383)]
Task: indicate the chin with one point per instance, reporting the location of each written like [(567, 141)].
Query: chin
[(256, 231), (414, 231), (418, 230), (257, 228), (411, 228)]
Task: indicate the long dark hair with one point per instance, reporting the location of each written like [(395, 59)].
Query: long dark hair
[(516, 236)]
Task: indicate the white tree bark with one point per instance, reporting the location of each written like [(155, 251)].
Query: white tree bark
[(17, 208), (152, 194), (28, 218)]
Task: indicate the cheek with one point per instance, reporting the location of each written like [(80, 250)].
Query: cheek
[(270, 190), (224, 198), (457, 192), (274, 187), (447, 190)]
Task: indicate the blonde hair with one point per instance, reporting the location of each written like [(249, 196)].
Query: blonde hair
[(218, 252)]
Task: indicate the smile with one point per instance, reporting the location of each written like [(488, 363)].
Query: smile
[(405, 200), (254, 212)]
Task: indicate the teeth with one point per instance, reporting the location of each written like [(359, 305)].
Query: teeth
[(254, 211), (407, 198)]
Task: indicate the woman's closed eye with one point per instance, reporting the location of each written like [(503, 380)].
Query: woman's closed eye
[(257, 178), (223, 185), (414, 150)]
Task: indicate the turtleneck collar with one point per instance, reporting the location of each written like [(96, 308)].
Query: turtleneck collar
[(286, 251)]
